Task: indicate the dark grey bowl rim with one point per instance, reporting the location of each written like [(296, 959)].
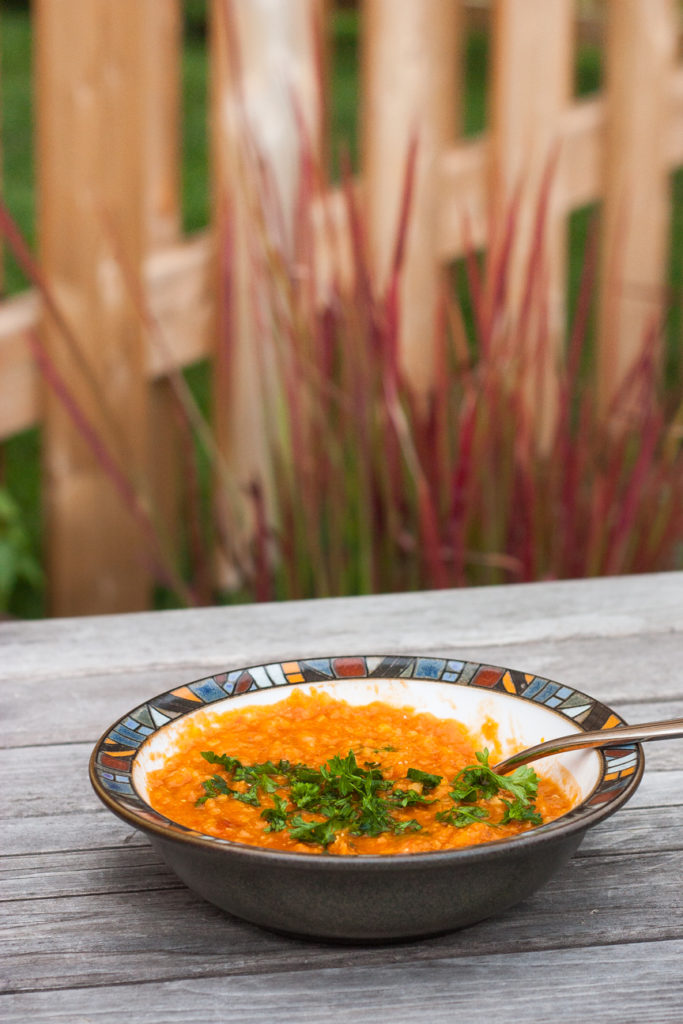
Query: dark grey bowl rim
[(579, 819)]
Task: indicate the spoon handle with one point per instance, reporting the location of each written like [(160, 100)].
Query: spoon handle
[(600, 738)]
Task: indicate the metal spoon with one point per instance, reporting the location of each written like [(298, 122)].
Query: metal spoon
[(600, 738)]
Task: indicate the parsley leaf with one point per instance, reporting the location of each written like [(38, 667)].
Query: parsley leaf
[(408, 797), (479, 782), (519, 810), (461, 816), (322, 832), (428, 781), (215, 786), (406, 826), (304, 794), (276, 816)]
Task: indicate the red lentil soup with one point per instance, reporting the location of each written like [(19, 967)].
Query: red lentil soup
[(385, 752)]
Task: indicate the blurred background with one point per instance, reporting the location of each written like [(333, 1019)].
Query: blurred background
[(306, 298)]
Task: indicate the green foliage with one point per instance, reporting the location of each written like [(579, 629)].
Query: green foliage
[(17, 560), (194, 142), (196, 14), (16, 127)]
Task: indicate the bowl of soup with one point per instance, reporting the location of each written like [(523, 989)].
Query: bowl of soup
[(354, 798)]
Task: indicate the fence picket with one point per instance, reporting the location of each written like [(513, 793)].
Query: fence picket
[(90, 126), (410, 75), (641, 47), (531, 86), (107, 120), (160, 93), (266, 108)]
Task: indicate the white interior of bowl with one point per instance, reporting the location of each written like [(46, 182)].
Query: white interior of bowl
[(505, 723)]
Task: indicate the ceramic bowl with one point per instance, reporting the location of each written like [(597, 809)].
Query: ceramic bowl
[(374, 898)]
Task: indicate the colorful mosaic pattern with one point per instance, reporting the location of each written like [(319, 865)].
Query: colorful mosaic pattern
[(113, 757)]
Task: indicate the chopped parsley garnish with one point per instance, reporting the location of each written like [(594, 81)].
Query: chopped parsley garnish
[(315, 804), (257, 777), (428, 781), (480, 782), (517, 810), (277, 816), (462, 816)]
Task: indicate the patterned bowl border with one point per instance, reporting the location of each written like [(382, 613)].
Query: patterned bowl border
[(113, 756)]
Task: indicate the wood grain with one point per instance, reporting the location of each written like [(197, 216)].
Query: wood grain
[(641, 55), (265, 128), (621, 976), (98, 699), (160, 92), (498, 618), (411, 98), (91, 920), (180, 281), (90, 147), (530, 92), (628, 897)]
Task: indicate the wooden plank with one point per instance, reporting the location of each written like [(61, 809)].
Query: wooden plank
[(98, 698), (641, 44), (65, 790), (400, 992), (623, 979), (266, 112), (181, 291), (646, 608), (21, 406), (134, 867), (180, 298), (635, 829), (60, 943), (90, 158), (160, 95), (81, 831), (180, 280), (531, 88), (410, 93)]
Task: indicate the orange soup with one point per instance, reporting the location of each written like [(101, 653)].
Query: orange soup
[(316, 774)]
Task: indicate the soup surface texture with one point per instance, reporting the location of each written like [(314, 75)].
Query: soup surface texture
[(315, 774)]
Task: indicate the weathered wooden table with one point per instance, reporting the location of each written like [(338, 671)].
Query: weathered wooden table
[(97, 929)]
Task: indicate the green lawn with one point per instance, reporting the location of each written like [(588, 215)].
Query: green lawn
[(19, 465)]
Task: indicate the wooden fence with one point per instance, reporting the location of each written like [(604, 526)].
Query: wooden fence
[(108, 207)]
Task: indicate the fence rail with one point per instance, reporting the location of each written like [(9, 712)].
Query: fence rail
[(107, 115)]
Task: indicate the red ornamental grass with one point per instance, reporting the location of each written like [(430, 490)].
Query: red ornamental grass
[(380, 494), (367, 489)]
